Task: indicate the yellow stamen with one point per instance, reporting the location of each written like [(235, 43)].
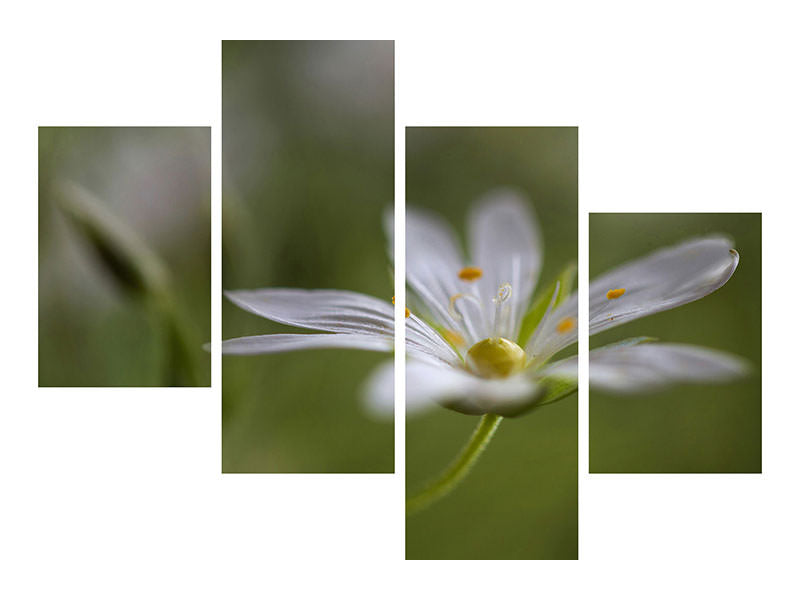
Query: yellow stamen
[(614, 294), (455, 338), (452, 308), (565, 325), (470, 273), (408, 312), (503, 293)]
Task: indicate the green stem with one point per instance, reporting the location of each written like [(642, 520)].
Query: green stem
[(181, 367), (460, 467)]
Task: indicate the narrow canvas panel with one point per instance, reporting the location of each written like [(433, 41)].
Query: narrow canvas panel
[(308, 172), (124, 256), (491, 432), (682, 392)]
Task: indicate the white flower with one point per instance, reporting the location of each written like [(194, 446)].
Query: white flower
[(478, 345), (664, 279), (481, 306)]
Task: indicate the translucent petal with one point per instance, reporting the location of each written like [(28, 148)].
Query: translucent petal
[(505, 242), (428, 385), (661, 280), (378, 394), (653, 366), (421, 339), (338, 312), (558, 291), (325, 310), (558, 329), (563, 369), (286, 342), (433, 260)]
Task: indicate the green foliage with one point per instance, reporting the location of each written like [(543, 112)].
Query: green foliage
[(121, 251), (558, 388), (120, 303), (564, 283)]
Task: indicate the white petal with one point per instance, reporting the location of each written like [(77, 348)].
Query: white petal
[(563, 369), (662, 280), (558, 329), (326, 310), (422, 341), (378, 392), (505, 242), (428, 384), (649, 366), (433, 261), (286, 342)]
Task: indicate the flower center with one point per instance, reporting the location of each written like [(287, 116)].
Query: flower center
[(496, 357)]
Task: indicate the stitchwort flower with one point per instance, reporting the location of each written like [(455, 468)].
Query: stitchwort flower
[(477, 339), (492, 351), (474, 346), (491, 345), (502, 344), (661, 280), (476, 343)]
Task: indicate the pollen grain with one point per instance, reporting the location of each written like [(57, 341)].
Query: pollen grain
[(565, 325), (614, 294), (470, 273), (408, 312)]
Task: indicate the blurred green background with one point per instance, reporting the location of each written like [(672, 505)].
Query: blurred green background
[(157, 181), (521, 499), (691, 428), (308, 169)]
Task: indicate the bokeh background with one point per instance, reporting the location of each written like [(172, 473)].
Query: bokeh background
[(521, 499), (308, 169), (691, 428), (157, 181)]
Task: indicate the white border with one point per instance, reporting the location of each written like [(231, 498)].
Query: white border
[(118, 493), (398, 501)]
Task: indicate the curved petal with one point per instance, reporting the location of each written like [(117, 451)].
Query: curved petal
[(433, 261), (428, 384), (326, 310), (378, 392), (662, 280), (423, 341), (653, 366), (505, 242), (566, 368), (286, 342), (557, 330)]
